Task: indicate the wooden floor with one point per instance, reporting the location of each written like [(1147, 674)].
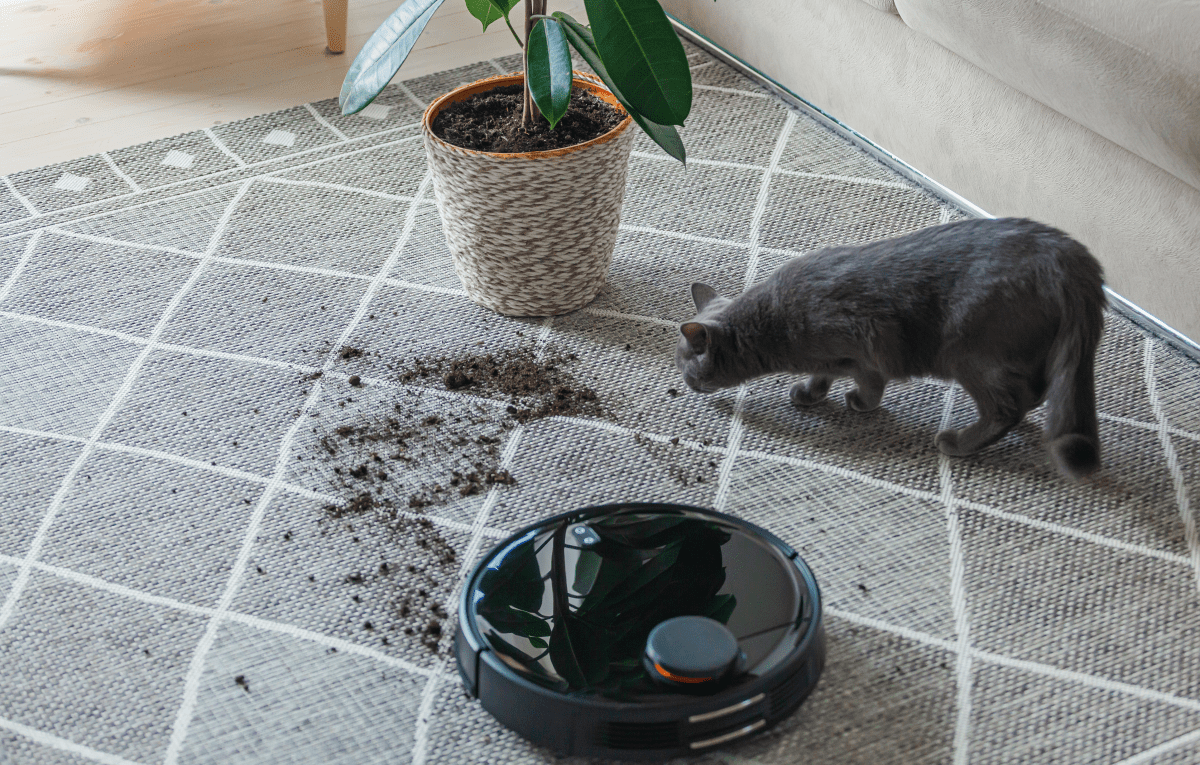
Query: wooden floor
[(83, 76)]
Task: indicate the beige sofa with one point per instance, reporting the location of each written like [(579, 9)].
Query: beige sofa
[(1081, 113)]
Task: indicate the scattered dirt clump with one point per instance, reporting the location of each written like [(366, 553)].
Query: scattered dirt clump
[(491, 122), (391, 466), (536, 386), (685, 466)]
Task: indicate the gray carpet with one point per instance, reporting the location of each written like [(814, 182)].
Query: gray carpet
[(175, 587)]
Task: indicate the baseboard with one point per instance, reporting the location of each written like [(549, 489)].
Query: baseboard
[(1146, 321)]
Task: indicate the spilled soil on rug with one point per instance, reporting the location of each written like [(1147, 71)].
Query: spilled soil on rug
[(430, 450)]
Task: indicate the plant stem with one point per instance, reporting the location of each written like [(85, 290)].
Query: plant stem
[(528, 107), (516, 37), (530, 113)]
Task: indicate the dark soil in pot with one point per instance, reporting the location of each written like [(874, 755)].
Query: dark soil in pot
[(491, 122)]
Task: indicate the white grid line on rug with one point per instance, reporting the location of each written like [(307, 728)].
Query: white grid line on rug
[(242, 164), (695, 445), (750, 167), (1150, 426), (1083, 678), (958, 596), (131, 374), (411, 97), (1079, 678), (736, 426), (331, 272), (241, 475), (20, 267), (1037, 523), (1163, 428), (666, 233), (267, 625), (342, 187), (224, 149), (856, 180), (1161, 749), (794, 461), (1025, 665), (121, 173), (195, 672), (316, 270), (33, 211), (733, 91), (429, 692), (342, 138), (495, 65), (1181, 493), (64, 745)]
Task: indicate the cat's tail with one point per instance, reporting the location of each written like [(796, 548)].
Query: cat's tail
[(1072, 431)]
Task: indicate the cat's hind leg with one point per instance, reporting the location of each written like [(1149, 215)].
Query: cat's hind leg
[(867, 394), (810, 391), (1001, 405)]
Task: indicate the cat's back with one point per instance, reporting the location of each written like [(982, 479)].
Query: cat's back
[(943, 289), (960, 260)]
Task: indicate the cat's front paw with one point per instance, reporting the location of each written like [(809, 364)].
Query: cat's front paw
[(858, 403), (947, 443), (803, 393)]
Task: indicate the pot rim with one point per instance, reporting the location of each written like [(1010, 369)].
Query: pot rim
[(581, 79)]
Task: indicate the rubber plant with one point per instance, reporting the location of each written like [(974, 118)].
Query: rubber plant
[(630, 44)]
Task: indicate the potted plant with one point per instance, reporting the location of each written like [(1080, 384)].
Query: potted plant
[(532, 233)]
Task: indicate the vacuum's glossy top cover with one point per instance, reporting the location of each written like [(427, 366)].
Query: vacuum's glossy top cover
[(568, 605)]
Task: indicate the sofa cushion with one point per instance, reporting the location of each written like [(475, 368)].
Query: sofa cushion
[(887, 6), (1130, 71)]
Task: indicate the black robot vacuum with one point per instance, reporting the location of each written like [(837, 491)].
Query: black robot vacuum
[(640, 631)]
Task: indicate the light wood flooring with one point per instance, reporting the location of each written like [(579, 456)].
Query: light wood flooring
[(82, 76)]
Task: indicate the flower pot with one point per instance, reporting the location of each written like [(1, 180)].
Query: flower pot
[(531, 234)]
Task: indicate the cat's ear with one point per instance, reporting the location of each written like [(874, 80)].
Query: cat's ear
[(697, 336), (702, 295)]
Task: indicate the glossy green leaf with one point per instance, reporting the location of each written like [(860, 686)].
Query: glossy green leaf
[(581, 39), (384, 52), (488, 11), (517, 582), (586, 568), (548, 67), (539, 673), (721, 608), (564, 657), (515, 621), (644, 57)]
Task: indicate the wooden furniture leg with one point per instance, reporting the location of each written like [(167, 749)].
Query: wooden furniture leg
[(335, 24)]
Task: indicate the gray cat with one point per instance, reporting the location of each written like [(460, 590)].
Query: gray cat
[(1010, 309)]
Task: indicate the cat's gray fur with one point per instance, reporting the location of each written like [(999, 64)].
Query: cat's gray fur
[(1009, 308)]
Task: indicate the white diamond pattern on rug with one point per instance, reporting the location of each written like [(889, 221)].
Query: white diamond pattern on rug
[(263, 590), (180, 159), (279, 138), (72, 182), (376, 111)]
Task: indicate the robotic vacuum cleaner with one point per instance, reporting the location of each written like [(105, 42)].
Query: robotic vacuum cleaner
[(640, 631)]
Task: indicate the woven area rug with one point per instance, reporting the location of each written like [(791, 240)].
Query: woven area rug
[(205, 341)]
